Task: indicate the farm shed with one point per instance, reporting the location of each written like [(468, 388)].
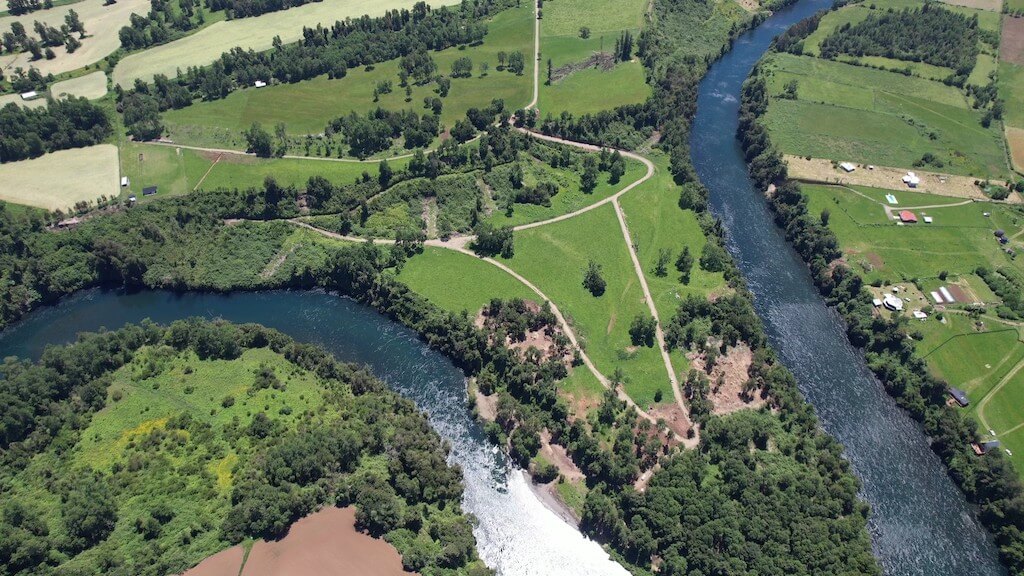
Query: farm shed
[(911, 180), (149, 190), (959, 395), (124, 181), (846, 166), (985, 447), (30, 95), (892, 303), (259, 83)]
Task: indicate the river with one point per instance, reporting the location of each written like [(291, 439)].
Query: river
[(517, 535), (921, 523)]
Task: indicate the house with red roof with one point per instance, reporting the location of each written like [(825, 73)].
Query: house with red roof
[(908, 217)]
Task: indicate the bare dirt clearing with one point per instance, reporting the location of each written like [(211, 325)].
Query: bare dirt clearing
[(57, 181), (1011, 45), (821, 170), (220, 564), (326, 542), (990, 5), (101, 26), (257, 33)]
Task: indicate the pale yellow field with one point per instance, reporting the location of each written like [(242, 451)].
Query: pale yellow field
[(7, 99), (56, 181), (91, 86), (257, 33), (101, 26), (1015, 141)]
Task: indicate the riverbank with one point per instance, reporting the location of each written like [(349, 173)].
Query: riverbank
[(890, 356)]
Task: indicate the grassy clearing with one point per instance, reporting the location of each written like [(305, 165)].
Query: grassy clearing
[(957, 242), (91, 86), (569, 198), (457, 282), (986, 66), (657, 223), (898, 131), (566, 17), (593, 90), (59, 180), (555, 257), (256, 33), (306, 107), (101, 26), (177, 171), (970, 360)]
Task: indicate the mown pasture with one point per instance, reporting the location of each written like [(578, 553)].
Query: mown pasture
[(101, 22), (307, 107), (256, 33), (91, 86), (458, 282), (582, 88), (59, 180), (958, 241), (851, 113)]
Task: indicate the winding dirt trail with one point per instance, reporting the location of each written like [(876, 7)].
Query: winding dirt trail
[(461, 244)]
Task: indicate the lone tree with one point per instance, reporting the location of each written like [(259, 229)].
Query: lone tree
[(684, 264), (661, 266), (592, 279), (588, 180), (643, 330), (258, 141), (617, 168)]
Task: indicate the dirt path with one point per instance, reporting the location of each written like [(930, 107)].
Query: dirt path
[(208, 170)]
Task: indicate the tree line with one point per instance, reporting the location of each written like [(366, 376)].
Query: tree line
[(63, 124), (988, 481)]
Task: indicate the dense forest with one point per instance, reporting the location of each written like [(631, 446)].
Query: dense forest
[(165, 21), (364, 445), (928, 34), (65, 123), (988, 481)]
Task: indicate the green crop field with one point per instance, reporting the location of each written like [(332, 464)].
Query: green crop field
[(306, 107), (959, 240), (555, 258), (458, 282)]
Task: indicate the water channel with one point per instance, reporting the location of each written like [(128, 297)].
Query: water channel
[(920, 524)]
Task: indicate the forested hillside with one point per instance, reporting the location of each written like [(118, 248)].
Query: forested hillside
[(144, 450)]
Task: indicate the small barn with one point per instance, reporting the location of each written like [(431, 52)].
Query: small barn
[(908, 217), (125, 182), (911, 180), (847, 167), (259, 84), (149, 190), (30, 95), (960, 396)]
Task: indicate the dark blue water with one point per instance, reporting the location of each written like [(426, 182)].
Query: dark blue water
[(516, 534), (921, 524)]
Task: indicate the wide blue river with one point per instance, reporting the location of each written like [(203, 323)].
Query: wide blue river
[(920, 523)]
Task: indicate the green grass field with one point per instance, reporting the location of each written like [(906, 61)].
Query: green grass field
[(458, 282), (656, 222), (959, 240), (876, 117), (178, 171), (1011, 89), (555, 257), (306, 107), (569, 198), (589, 90)]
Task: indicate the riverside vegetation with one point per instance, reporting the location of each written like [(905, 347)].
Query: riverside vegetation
[(759, 491), (888, 342), (144, 450)]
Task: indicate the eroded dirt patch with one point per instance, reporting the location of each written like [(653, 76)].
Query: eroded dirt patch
[(729, 377)]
